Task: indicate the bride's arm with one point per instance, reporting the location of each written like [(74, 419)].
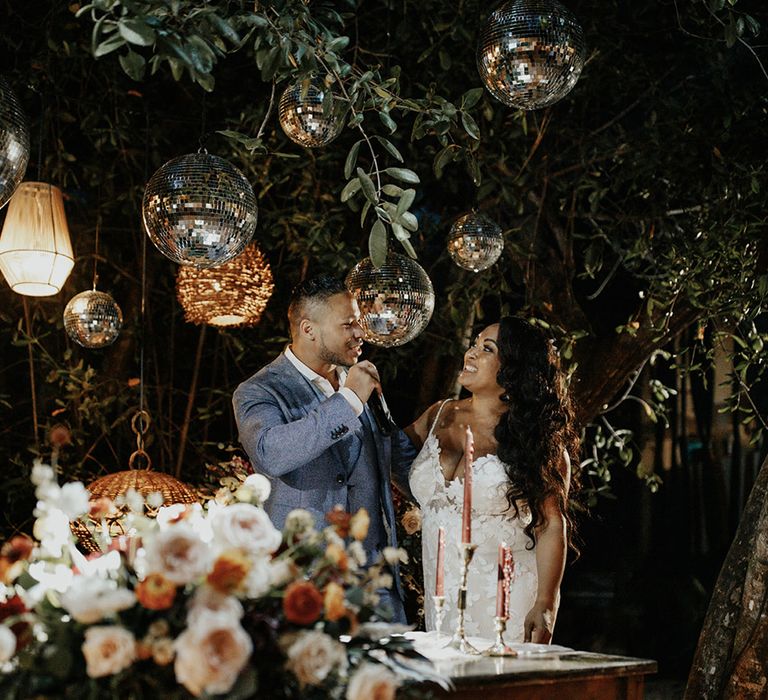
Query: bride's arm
[(419, 429), (551, 550)]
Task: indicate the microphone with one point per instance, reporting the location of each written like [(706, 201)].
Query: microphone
[(381, 414)]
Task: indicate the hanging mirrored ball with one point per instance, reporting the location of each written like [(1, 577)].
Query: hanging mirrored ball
[(396, 300), (14, 142), (93, 319), (475, 241), (311, 114), (530, 53), (199, 210)]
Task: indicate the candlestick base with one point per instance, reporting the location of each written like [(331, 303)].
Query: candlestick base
[(459, 640), (499, 648), (439, 601)]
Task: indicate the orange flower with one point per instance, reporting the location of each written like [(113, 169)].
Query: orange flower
[(359, 524), (143, 650), (339, 519), (334, 602), (17, 548), (302, 603), (60, 435), (337, 556), (229, 571), (156, 592)]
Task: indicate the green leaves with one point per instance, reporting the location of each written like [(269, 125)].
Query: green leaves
[(377, 244), (369, 190), (133, 64), (404, 175), (134, 31)]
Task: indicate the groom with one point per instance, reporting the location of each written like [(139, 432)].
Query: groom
[(304, 423)]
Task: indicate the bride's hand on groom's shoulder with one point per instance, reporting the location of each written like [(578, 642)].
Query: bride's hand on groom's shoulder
[(539, 624)]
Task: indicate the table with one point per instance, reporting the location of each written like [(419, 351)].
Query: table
[(537, 674)]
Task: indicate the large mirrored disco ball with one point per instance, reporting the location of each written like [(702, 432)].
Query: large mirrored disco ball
[(93, 319), (199, 210), (311, 114), (396, 300), (14, 142), (475, 241), (530, 53)]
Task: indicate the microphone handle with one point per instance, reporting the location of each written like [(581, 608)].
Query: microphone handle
[(381, 415)]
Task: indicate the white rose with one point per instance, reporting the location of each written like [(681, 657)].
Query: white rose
[(211, 653), (372, 682), (281, 571), (179, 554), (357, 552), (394, 555), (246, 527), (41, 473), (299, 521), (207, 600), (259, 485), (73, 500), (7, 644), (108, 650), (313, 656), (91, 599), (259, 579), (52, 531)]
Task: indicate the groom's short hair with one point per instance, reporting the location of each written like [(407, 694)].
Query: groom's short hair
[(310, 294)]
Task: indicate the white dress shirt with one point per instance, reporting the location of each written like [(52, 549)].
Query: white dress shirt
[(323, 385)]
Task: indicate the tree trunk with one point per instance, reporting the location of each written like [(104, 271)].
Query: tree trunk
[(732, 656)]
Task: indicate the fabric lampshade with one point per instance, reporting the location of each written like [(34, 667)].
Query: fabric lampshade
[(35, 251)]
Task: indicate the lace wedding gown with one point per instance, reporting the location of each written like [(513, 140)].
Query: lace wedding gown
[(492, 523)]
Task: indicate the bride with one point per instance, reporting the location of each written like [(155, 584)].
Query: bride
[(523, 428)]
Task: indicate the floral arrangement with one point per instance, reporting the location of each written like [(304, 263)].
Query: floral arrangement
[(199, 601)]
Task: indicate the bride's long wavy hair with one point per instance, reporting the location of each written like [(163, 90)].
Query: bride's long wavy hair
[(539, 424)]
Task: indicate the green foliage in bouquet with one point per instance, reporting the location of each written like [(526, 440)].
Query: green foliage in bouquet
[(199, 601)]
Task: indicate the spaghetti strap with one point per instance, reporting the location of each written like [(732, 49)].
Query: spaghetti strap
[(437, 418)]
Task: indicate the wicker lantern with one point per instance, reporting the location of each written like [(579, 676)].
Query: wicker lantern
[(233, 294), (35, 252)]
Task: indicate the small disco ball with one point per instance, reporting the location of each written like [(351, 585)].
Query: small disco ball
[(530, 53), (199, 210), (475, 241), (93, 319), (311, 114), (396, 300), (14, 143)]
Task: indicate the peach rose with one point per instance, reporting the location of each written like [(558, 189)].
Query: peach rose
[(358, 526), (411, 520), (313, 656), (229, 571), (108, 650), (156, 592), (333, 601), (211, 653), (372, 682), (302, 603)]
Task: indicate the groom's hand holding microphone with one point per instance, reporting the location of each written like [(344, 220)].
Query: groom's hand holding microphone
[(363, 379)]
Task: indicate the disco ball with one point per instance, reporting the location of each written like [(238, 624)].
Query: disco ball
[(311, 114), (93, 319), (530, 53), (14, 143), (475, 242), (396, 300), (199, 210)]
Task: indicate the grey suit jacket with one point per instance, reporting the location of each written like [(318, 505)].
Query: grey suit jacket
[(295, 437)]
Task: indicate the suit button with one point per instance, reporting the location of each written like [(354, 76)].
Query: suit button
[(339, 478)]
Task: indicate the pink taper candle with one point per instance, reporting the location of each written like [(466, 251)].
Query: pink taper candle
[(466, 514), (440, 575), (500, 600)]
